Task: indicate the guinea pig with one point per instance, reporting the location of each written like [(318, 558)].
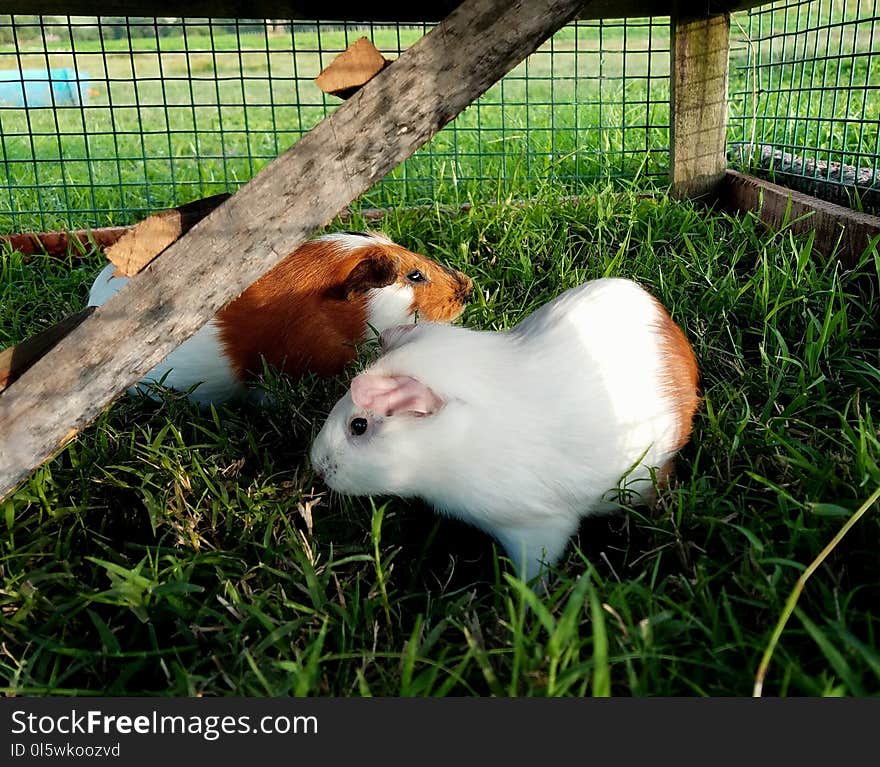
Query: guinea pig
[(307, 313), (522, 432)]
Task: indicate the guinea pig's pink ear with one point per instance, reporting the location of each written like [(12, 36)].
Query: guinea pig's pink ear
[(375, 271), (394, 395)]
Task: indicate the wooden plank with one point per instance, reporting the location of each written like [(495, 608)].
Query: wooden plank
[(841, 231), (15, 360), (624, 9), (832, 181), (698, 104), (59, 244), (343, 156), (310, 10)]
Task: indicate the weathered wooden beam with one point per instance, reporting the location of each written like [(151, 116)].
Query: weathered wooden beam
[(310, 10), (832, 181), (16, 359), (624, 9), (343, 156), (841, 231), (698, 103)]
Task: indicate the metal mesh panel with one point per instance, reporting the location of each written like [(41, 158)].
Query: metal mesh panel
[(104, 120), (805, 97)]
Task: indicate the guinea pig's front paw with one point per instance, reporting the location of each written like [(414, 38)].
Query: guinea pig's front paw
[(533, 548)]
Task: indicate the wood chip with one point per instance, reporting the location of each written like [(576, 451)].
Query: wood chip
[(137, 247), (351, 69), (147, 239)]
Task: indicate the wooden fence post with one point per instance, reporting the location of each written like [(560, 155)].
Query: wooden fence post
[(698, 104)]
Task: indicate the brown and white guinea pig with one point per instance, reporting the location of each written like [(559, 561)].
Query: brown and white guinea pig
[(521, 432), (307, 313)]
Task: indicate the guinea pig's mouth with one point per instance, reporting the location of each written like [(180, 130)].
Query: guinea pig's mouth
[(322, 468)]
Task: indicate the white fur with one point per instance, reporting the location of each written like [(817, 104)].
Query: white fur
[(540, 423), (199, 361), (105, 285), (388, 306), (354, 240)]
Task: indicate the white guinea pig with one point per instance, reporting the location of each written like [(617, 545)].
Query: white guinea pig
[(522, 432)]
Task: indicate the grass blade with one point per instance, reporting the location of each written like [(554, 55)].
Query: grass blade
[(791, 602)]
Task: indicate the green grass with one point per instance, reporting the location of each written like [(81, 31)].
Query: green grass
[(169, 551)]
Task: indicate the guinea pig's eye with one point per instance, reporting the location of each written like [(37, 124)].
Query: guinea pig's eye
[(416, 276), (358, 426)]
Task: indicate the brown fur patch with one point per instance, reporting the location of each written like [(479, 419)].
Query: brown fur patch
[(664, 472), (681, 380), (307, 313), (376, 271), (441, 298)]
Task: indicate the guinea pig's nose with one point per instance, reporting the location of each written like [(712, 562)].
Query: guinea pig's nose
[(318, 468)]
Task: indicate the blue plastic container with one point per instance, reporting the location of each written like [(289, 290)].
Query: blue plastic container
[(42, 87)]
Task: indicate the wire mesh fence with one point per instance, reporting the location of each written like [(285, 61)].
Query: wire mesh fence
[(105, 119), (805, 97)]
